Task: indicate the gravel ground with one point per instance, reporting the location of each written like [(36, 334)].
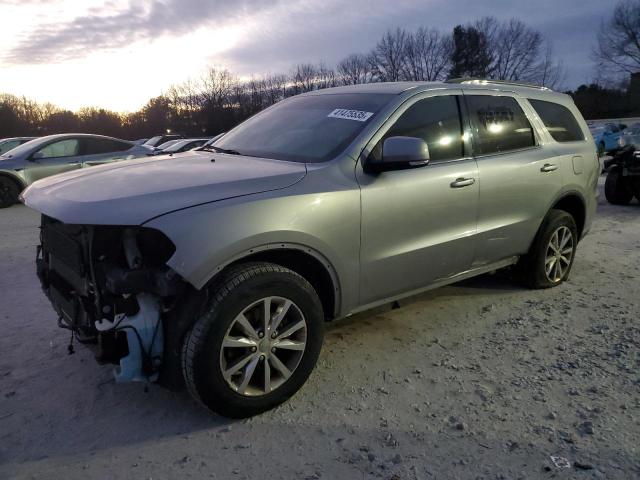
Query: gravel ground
[(479, 380)]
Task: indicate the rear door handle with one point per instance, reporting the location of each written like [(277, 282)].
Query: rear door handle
[(548, 167), (462, 182)]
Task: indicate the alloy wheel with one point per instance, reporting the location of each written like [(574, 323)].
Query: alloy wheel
[(559, 254), (263, 346)]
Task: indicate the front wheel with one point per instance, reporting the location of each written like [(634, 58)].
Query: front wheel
[(551, 256), (9, 192), (257, 342)]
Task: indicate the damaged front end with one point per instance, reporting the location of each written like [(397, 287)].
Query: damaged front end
[(111, 287)]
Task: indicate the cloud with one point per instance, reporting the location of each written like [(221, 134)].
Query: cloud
[(59, 42), (280, 34)]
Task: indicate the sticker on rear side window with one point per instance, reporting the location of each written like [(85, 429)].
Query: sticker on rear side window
[(357, 115)]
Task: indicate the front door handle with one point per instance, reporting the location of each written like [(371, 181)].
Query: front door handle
[(548, 167), (462, 182)]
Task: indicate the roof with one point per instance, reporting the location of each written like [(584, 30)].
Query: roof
[(396, 88)]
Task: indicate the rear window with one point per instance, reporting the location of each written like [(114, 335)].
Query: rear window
[(559, 120)]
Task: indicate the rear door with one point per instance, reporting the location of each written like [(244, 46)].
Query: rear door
[(517, 177), (98, 151), (56, 157)]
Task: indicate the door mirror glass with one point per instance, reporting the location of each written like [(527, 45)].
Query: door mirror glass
[(400, 153)]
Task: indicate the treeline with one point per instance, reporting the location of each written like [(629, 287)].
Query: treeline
[(487, 48)]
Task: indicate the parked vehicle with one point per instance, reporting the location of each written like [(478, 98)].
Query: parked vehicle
[(211, 141), (623, 177), (606, 137), (630, 136), (220, 273), (160, 139), (54, 154), (185, 145), (7, 144), (166, 144)]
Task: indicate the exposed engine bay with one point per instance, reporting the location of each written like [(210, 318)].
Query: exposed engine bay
[(111, 287)]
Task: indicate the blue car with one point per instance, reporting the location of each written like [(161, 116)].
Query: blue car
[(607, 136)]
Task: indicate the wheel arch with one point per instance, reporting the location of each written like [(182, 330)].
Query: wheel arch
[(15, 179), (575, 205), (305, 261)]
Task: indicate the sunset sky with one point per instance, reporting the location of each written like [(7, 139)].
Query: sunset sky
[(117, 54)]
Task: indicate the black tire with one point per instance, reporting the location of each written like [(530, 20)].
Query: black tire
[(532, 266), (236, 290), (9, 192), (616, 188)]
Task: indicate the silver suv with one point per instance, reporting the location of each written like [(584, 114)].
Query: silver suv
[(217, 270)]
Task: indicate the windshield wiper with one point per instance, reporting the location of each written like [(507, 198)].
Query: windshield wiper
[(211, 148)]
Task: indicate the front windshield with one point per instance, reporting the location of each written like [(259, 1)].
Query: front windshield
[(25, 147), (164, 145), (312, 128), (152, 141)]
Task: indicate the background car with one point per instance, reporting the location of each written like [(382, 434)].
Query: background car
[(46, 156), (7, 144), (607, 136), (184, 145), (211, 141), (159, 139), (166, 144), (629, 138)]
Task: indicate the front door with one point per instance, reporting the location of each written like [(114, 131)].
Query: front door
[(56, 157), (418, 225)]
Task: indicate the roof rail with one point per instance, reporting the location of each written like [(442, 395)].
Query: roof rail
[(487, 81)]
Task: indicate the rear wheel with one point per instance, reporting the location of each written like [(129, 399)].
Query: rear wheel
[(257, 342), (551, 256), (9, 192), (616, 188)]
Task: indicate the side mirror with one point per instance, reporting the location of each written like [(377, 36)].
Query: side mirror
[(399, 153), (37, 156)]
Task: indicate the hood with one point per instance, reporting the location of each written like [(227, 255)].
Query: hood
[(132, 192)]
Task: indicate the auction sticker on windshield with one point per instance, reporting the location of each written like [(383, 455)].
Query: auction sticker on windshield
[(357, 115)]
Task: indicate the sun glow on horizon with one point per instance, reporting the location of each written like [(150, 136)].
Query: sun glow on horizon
[(121, 79)]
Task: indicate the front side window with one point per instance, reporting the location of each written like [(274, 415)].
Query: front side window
[(310, 128), (62, 148), (558, 120), (498, 124), (436, 120)]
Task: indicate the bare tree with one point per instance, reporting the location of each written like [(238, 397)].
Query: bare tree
[(387, 60), (618, 46), (516, 50), (304, 78), (217, 87), (427, 55), (354, 69), (549, 72), (325, 77)]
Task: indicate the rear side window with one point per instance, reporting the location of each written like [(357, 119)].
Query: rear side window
[(559, 120), (95, 146), (499, 124)]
